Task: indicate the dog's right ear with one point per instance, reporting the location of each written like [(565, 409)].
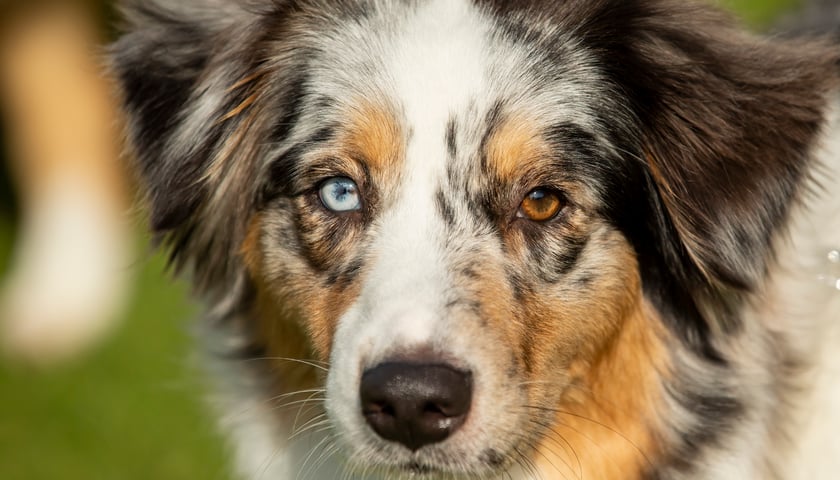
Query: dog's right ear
[(158, 64), (194, 76)]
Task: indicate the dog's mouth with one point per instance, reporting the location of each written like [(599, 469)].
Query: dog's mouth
[(420, 469), (436, 463), (425, 469)]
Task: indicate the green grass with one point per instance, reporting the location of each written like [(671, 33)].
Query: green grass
[(133, 409), (759, 13)]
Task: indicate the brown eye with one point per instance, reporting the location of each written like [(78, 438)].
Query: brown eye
[(541, 205)]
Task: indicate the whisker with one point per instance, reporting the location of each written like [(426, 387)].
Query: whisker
[(526, 463), (310, 426), (300, 410), (328, 452), (266, 464), (324, 366), (594, 422), (298, 392), (305, 468), (321, 428), (602, 425), (293, 403), (567, 449)]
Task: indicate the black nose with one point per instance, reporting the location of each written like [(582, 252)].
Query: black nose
[(415, 405)]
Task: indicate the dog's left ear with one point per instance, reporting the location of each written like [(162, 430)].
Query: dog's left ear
[(729, 124)]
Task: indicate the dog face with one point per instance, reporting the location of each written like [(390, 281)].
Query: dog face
[(510, 228)]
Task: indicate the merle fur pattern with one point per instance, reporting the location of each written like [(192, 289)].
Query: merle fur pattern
[(698, 155)]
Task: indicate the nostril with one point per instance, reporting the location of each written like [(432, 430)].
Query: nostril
[(415, 405), (378, 408)]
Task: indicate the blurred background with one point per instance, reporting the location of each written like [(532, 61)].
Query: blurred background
[(108, 390)]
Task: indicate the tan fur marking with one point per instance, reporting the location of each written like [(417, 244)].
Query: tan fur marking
[(245, 81), (513, 144), (277, 327), (251, 249), (279, 332), (255, 77), (298, 314), (240, 108), (236, 145), (223, 170), (604, 348), (605, 425), (608, 433), (375, 135), (325, 306), (285, 343), (657, 175)]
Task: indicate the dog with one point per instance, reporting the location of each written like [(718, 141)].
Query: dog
[(490, 239)]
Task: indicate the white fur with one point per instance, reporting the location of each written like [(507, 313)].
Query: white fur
[(400, 304), (809, 304)]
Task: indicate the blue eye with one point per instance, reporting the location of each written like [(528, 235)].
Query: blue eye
[(340, 194)]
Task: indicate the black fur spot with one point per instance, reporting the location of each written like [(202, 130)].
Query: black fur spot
[(346, 274), (445, 209), (553, 261), (493, 458), (451, 138), (283, 170)]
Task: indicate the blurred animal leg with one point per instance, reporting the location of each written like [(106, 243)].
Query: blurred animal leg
[(70, 271)]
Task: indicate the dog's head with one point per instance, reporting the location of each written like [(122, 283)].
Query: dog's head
[(495, 220)]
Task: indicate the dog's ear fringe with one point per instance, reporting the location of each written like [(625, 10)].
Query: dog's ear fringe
[(157, 64), (171, 65), (731, 153), (729, 123)]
